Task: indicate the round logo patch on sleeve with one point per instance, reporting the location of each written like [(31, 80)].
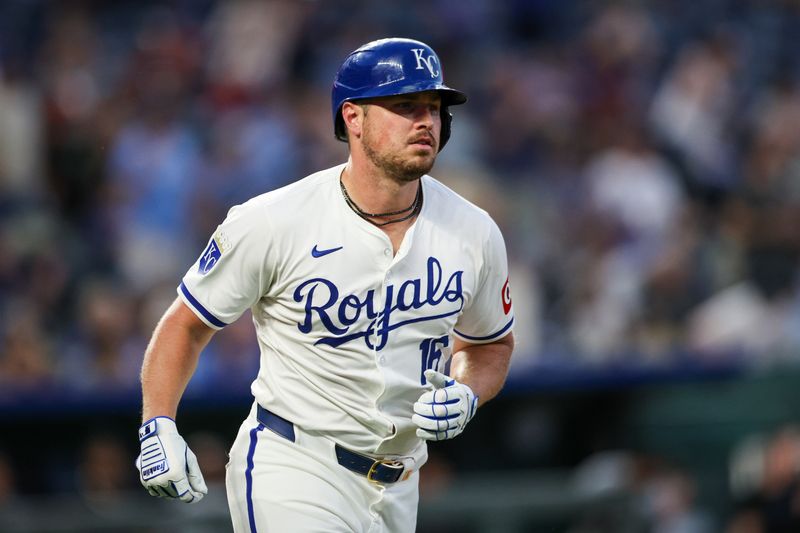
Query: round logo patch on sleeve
[(506, 295)]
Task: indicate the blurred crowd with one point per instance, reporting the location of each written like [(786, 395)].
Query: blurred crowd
[(642, 159), (763, 484)]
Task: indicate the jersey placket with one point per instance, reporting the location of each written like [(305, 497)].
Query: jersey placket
[(392, 264)]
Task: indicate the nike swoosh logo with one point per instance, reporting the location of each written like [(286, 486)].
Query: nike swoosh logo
[(320, 253)]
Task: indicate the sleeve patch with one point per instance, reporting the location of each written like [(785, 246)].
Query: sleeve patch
[(210, 256), (506, 295)]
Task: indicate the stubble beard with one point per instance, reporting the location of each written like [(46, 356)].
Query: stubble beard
[(394, 165)]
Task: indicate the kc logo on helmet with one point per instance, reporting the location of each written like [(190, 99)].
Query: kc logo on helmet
[(429, 62)]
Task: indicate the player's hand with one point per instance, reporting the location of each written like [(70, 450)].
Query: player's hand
[(167, 467), (443, 412)]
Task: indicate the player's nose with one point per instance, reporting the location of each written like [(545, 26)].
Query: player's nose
[(425, 115)]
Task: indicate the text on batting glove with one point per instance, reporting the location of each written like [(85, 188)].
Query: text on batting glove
[(442, 413), (167, 467)]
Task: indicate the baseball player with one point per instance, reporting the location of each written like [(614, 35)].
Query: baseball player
[(381, 306)]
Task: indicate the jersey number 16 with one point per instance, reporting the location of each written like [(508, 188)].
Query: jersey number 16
[(431, 355)]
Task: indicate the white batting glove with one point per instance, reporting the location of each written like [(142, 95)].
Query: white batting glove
[(443, 412), (167, 467)]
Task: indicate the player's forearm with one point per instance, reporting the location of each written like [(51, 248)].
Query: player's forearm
[(171, 359), (483, 367)]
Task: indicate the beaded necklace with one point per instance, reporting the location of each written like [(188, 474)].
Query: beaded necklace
[(412, 210)]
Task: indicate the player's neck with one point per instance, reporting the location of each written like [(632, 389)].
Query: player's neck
[(374, 192)]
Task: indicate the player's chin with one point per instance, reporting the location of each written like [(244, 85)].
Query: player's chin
[(421, 164), (423, 155)]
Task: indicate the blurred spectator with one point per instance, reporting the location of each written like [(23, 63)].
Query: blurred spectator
[(14, 510), (635, 186), (616, 57), (251, 47), (8, 482), (103, 353), (771, 165), (212, 455), (634, 193), (151, 174), (154, 160), (665, 494), (25, 353), (692, 109), (104, 474), (21, 136), (673, 504), (252, 150), (738, 317), (765, 475), (230, 361), (71, 78)]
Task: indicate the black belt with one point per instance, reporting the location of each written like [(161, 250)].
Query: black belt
[(377, 470)]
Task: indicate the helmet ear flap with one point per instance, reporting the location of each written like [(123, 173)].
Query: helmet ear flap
[(447, 120), (338, 126)]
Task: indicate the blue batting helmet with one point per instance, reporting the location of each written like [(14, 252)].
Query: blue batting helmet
[(389, 67)]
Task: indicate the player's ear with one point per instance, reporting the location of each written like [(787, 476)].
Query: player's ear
[(353, 117)]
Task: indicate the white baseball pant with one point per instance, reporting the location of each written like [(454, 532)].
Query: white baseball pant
[(275, 485)]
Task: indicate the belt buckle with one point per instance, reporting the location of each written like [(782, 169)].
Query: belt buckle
[(390, 463)]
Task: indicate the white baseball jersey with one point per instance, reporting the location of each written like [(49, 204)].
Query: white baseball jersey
[(346, 328)]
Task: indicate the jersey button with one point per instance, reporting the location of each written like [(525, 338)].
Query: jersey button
[(387, 252), (382, 360)]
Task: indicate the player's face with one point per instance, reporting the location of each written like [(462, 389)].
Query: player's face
[(400, 134)]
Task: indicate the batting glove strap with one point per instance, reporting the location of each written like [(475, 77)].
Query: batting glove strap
[(444, 412), (167, 467)]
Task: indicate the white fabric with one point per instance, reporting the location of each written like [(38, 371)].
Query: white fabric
[(299, 486), (346, 336)]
